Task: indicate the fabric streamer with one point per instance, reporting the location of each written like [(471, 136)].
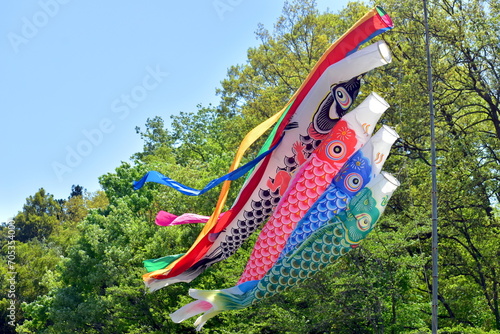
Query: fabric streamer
[(157, 177), (315, 176), (324, 246), (324, 97), (164, 218)]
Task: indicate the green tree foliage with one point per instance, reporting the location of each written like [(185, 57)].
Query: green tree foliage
[(465, 72), (85, 254), (39, 217), (44, 231)]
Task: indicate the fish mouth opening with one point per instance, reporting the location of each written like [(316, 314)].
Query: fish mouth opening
[(385, 52), (389, 177), (384, 16)]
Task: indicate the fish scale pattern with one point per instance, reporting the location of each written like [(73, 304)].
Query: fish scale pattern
[(324, 246), (326, 249), (334, 239), (308, 184), (356, 172), (309, 144), (316, 177), (262, 209), (269, 199), (333, 201), (253, 219)]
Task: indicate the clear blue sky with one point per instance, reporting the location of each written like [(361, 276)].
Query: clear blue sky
[(77, 77)]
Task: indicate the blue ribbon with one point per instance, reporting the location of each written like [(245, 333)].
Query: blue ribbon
[(157, 177)]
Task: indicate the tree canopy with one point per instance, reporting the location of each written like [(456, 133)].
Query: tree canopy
[(80, 259)]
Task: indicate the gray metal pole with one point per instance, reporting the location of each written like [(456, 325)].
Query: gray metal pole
[(434, 181)]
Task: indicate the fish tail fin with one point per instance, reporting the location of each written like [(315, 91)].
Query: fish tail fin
[(190, 310), (201, 320), (211, 303)]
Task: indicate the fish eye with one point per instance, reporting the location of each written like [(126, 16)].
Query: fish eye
[(364, 221), (343, 98), (353, 182), (336, 150)]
